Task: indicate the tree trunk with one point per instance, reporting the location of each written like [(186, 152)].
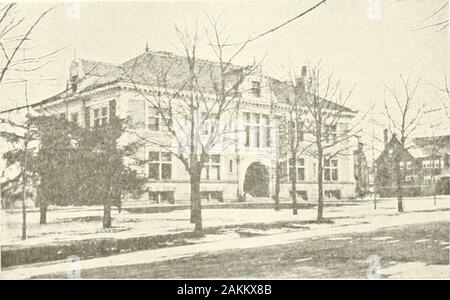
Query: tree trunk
[(320, 184), (277, 186), (43, 212), (24, 192), (107, 214), (294, 186), (196, 204), (24, 217), (434, 193), (433, 182), (399, 187)]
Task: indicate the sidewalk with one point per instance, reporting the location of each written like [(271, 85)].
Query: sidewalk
[(366, 224), (74, 225)]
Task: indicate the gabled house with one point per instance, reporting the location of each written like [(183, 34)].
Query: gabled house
[(424, 165)]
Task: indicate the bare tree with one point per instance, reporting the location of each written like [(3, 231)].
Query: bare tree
[(436, 16), (291, 132), (14, 34), (198, 112), (326, 125), (444, 95), (404, 117)]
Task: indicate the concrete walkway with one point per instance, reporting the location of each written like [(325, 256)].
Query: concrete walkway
[(371, 223)]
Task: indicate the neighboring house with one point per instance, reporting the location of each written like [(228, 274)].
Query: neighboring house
[(361, 171), (424, 164), (98, 90)]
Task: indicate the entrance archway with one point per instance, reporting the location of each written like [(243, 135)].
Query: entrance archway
[(256, 181)]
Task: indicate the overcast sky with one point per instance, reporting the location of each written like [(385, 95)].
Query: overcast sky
[(362, 48)]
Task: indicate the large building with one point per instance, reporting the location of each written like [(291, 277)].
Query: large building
[(244, 168)]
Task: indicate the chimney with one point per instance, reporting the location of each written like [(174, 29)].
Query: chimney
[(385, 133), (300, 81), (360, 146)]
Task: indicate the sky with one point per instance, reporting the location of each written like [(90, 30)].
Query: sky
[(367, 44)]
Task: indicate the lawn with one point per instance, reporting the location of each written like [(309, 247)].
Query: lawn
[(342, 256)]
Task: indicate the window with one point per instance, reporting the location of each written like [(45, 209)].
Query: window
[(230, 166), (437, 164), (100, 116), (257, 130), (213, 196), (330, 170), (256, 88), (300, 169), (208, 123), (62, 115), (153, 123), (162, 197), (156, 121), (301, 195), (211, 168), (300, 132), (409, 165), (265, 131), (74, 117), (247, 129), (330, 133), (160, 165), (333, 194)]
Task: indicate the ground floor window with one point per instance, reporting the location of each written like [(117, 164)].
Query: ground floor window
[(333, 194), (211, 168), (213, 196), (160, 165), (301, 195), (300, 169), (330, 170), (162, 197)]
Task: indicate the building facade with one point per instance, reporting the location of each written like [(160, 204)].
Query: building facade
[(241, 166), (424, 166)]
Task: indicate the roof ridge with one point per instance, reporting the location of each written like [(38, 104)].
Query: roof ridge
[(99, 61), (177, 56)]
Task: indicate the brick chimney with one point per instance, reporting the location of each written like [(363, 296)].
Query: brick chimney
[(300, 81)]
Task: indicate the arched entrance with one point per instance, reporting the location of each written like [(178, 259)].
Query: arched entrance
[(256, 181)]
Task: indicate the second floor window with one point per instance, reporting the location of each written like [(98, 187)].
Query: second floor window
[(160, 165), (211, 168), (257, 130), (330, 133), (256, 88), (208, 123), (74, 117), (156, 121), (100, 116), (330, 170), (300, 169)]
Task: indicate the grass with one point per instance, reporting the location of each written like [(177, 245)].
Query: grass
[(343, 256)]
